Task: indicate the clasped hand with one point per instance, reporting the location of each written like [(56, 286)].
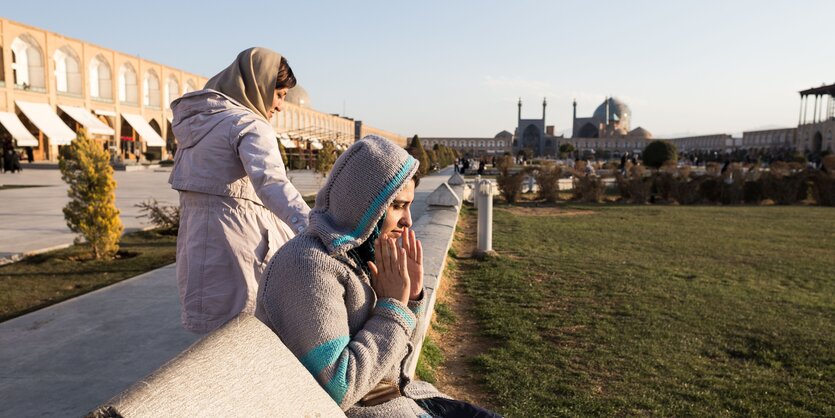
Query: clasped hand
[(398, 271)]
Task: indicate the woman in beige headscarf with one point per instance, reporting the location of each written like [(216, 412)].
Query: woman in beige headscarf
[(237, 206)]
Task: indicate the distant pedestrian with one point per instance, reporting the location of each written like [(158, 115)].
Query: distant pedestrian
[(30, 155)]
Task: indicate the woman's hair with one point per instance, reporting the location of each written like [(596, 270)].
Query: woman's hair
[(416, 178), (286, 78)]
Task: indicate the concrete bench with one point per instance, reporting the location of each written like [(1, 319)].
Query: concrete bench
[(243, 368)]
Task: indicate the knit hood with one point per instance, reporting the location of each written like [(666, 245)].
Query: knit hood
[(362, 183)]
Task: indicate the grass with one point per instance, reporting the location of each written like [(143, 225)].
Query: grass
[(431, 355), (44, 279), (658, 310)]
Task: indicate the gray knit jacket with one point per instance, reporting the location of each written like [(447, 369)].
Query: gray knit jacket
[(320, 302)]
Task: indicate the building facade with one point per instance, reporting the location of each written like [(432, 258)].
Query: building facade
[(52, 86), (474, 147)]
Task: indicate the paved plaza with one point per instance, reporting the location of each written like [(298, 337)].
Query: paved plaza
[(31, 218), (67, 359)]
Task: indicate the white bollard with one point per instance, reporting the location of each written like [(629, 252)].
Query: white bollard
[(484, 196), (475, 186)]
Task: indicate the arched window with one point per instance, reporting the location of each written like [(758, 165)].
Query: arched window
[(27, 63), (127, 84), (189, 87), (100, 79), (481, 144), (67, 71), (172, 90), (150, 89)]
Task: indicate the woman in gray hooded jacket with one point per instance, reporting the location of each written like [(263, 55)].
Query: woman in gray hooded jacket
[(237, 206), (346, 299)]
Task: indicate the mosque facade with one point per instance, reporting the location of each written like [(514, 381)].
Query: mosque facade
[(52, 86)]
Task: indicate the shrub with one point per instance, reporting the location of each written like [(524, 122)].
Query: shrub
[(588, 188), (417, 151), (657, 152), (91, 211), (785, 184), (548, 178), (636, 186), (510, 185), (752, 191), (733, 182), (166, 218), (325, 158), (710, 189), (686, 191), (823, 188)]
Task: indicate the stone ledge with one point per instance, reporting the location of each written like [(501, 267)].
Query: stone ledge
[(242, 369)]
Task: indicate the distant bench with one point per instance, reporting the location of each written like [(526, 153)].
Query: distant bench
[(243, 368)]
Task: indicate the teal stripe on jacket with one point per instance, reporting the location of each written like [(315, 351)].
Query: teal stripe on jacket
[(338, 385), (378, 201), (400, 311), (324, 355)]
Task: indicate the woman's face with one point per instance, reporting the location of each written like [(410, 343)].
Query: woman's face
[(399, 213), (278, 101)]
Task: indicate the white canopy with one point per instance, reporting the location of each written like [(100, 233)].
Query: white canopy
[(105, 112), (90, 122), (44, 117), (18, 131), (315, 144), (285, 140), (151, 137)]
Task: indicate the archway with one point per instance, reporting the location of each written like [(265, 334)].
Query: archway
[(817, 143), (530, 138), (588, 131), (150, 89), (100, 79), (127, 84), (67, 71), (27, 63)]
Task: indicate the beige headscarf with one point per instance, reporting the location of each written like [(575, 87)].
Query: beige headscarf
[(250, 80)]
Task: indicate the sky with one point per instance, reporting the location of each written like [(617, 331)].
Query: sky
[(458, 68)]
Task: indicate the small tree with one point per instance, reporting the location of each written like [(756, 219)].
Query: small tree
[(91, 212), (417, 151), (283, 152), (565, 149), (325, 158), (658, 152)]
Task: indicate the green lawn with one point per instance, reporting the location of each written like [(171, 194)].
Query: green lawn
[(659, 310), (45, 279)]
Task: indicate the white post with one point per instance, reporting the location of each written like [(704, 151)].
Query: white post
[(475, 187), (484, 193)]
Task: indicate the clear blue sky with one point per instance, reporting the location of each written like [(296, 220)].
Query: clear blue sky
[(456, 68)]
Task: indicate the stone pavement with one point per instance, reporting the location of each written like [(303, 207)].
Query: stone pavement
[(67, 359), (31, 219)]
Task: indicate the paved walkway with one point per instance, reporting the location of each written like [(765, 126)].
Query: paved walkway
[(67, 359), (31, 218)]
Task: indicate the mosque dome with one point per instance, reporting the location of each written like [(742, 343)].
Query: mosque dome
[(640, 132), (298, 96), (618, 111), (503, 134)]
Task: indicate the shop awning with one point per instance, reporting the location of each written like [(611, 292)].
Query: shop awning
[(315, 144), (285, 140), (44, 118), (19, 132), (141, 126), (105, 112), (90, 122)]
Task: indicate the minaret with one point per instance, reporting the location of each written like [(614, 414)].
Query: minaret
[(574, 120), (519, 114), (544, 103)]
